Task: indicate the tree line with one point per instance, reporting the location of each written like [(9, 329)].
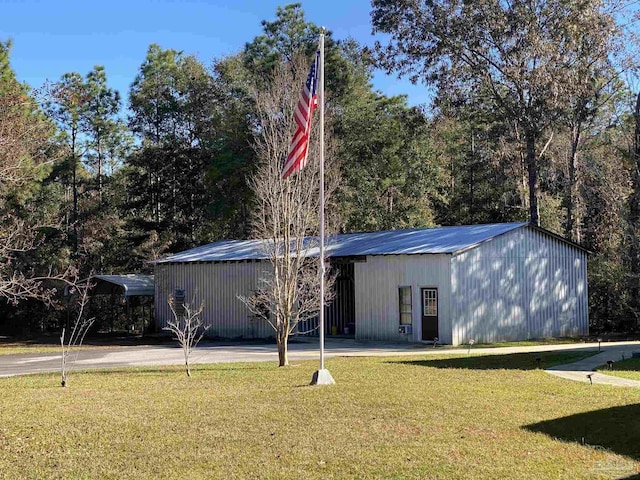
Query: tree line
[(533, 117)]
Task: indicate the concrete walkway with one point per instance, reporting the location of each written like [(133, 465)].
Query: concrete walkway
[(144, 356), (581, 370)]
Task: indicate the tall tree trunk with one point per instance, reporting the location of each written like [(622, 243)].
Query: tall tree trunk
[(532, 167), (74, 161), (472, 166), (634, 213), (99, 149), (522, 169), (570, 199)]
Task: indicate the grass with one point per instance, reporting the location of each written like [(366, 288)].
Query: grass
[(20, 347), (541, 342), (435, 417), (629, 368), (528, 343), (533, 343), (519, 361), (51, 343)]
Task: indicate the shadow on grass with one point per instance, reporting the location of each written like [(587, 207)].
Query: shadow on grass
[(512, 361), (616, 429), (628, 365)]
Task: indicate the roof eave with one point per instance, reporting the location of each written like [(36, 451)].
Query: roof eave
[(559, 237), (526, 225), (475, 245)]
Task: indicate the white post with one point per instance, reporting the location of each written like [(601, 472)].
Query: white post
[(322, 376), (322, 272)]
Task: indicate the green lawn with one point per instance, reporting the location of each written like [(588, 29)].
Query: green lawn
[(476, 417), (14, 348), (20, 349), (541, 342), (528, 343), (629, 368), (51, 344)]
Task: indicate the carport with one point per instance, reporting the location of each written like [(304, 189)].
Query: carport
[(135, 290), (138, 291)]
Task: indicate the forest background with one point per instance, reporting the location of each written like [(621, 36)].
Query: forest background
[(534, 117)]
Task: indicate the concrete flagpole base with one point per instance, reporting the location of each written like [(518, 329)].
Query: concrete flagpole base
[(322, 377)]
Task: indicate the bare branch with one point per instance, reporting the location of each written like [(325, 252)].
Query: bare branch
[(286, 212), (81, 326), (187, 327)]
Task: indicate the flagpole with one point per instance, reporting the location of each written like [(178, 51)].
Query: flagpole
[(321, 75), (322, 376)]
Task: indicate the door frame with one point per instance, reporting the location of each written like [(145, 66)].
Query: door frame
[(422, 289)]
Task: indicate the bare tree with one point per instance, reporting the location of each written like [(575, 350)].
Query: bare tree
[(286, 212), (25, 147), (187, 327), (529, 59), (71, 344)]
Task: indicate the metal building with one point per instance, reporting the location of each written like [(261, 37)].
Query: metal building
[(489, 283)]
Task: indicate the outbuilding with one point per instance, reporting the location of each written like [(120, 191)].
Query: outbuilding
[(487, 283)]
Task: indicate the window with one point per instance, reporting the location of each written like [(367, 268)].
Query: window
[(404, 293), (430, 299)]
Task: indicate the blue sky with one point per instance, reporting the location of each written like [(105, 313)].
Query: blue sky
[(52, 37)]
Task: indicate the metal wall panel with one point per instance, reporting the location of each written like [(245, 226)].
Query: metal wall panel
[(376, 291), (218, 286), (521, 285)]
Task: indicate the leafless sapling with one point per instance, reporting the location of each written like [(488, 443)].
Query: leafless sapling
[(187, 327), (71, 344)]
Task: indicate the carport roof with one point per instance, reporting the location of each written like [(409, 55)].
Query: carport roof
[(131, 285), (389, 242)]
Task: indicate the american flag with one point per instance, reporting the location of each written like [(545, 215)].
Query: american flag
[(297, 157)]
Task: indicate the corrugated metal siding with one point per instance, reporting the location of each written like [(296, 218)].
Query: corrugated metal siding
[(376, 291), (519, 286), (218, 286)]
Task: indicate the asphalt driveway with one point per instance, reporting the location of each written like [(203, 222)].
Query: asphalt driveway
[(140, 356)]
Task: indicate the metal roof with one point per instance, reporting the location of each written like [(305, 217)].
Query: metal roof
[(131, 285), (389, 242)]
